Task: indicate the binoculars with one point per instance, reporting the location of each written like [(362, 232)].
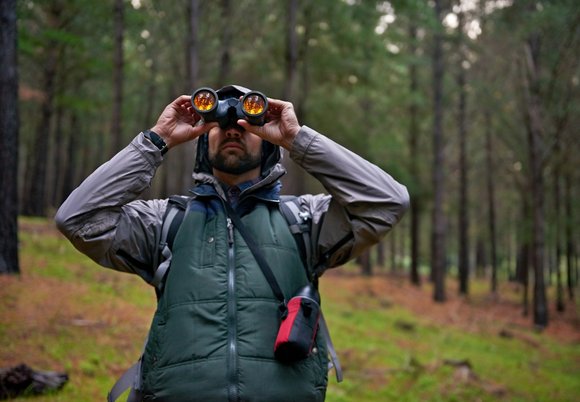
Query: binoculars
[(252, 107)]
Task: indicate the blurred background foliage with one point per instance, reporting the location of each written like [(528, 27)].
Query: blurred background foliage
[(94, 74)]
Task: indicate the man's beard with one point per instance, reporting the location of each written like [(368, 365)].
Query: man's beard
[(232, 163)]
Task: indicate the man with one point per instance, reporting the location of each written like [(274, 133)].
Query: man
[(212, 337)]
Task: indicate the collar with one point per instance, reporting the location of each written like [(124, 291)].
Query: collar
[(266, 188)]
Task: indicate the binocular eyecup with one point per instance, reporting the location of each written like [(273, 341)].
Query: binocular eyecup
[(252, 107)]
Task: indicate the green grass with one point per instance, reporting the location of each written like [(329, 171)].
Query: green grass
[(384, 362), (65, 313)]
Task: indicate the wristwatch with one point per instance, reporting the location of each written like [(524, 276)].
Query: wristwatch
[(156, 140)]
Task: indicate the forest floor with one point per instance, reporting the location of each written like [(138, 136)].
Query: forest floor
[(64, 313), (480, 312)]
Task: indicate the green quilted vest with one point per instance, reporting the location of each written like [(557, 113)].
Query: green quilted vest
[(212, 336)]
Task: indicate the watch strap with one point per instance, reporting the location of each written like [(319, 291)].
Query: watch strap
[(156, 140)]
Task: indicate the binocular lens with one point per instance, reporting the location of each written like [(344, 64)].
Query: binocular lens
[(204, 101), (254, 104), (208, 105)]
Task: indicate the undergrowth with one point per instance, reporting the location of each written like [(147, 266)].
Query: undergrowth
[(64, 313)]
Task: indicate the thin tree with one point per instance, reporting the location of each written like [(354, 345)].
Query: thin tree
[(34, 197), (118, 66), (535, 150), (226, 43), (291, 50), (463, 218), (569, 235), (490, 177), (294, 182), (558, 228), (438, 229), (193, 43), (192, 54), (9, 128), (417, 205)]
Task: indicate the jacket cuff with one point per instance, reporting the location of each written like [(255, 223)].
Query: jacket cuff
[(306, 136), (149, 151)]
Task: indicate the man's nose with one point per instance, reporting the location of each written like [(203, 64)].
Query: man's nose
[(233, 133)]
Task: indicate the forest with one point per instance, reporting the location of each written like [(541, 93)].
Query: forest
[(474, 105)]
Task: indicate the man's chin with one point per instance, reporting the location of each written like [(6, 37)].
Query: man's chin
[(234, 162)]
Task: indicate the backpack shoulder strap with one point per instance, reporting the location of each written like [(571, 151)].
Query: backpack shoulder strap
[(176, 207), (299, 225), (172, 218), (299, 222)]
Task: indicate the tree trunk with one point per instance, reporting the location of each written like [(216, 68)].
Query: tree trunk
[(71, 160), (463, 218), (491, 201), (34, 198), (185, 151), (558, 227), (416, 204), (118, 64), (226, 44), (569, 236), (522, 273), (291, 50), (294, 182), (58, 156), (535, 149), (381, 254), (365, 263), (393, 253), (193, 44), (438, 253), (9, 129), (480, 258)]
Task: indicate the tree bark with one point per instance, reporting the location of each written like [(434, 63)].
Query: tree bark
[(393, 244), (438, 252), (226, 44), (558, 227), (522, 273), (118, 65), (490, 175), (9, 130), (294, 182), (365, 263), (569, 236), (480, 258), (193, 44), (185, 151), (71, 160), (535, 149), (34, 197), (463, 218), (416, 205), (381, 254)]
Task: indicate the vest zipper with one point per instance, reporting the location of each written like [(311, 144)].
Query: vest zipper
[(232, 352)]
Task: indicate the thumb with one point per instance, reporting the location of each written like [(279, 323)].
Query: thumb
[(258, 130)]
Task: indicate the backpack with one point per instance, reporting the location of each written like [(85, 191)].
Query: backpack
[(299, 225)]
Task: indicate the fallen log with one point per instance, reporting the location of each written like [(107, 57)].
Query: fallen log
[(23, 380)]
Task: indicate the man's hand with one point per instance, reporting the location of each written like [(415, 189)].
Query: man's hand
[(282, 124), (179, 123)]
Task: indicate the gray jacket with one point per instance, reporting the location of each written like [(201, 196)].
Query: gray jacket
[(104, 219)]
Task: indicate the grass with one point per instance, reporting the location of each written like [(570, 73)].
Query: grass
[(65, 313)]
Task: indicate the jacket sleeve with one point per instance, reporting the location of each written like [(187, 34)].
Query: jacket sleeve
[(364, 202), (103, 219)]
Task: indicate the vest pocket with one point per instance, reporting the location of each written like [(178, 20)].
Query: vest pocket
[(208, 245)]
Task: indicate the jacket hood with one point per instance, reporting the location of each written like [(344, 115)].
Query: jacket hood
[(271, 154)]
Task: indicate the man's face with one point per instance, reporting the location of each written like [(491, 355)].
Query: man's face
[(233, 150)]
